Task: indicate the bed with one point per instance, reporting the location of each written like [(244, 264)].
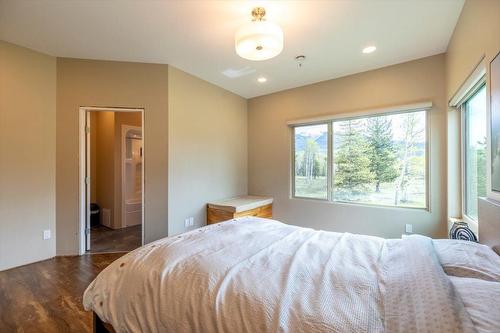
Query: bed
[(259, 275)]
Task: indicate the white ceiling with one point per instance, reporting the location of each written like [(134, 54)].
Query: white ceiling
[(198, 36)]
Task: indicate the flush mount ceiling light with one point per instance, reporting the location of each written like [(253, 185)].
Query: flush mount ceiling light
[(369, 49), (262, 79), (259, 39)]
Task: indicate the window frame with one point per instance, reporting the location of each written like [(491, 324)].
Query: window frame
[(330, 169), (473, 91)]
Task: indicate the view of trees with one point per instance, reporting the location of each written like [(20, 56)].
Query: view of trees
[(311, 163), (475, 151), (382, 152), (476, 180), (376, 160), (481, 168), (412, 132), (352, 173)]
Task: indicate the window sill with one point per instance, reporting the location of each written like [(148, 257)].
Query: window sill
[(365, 205)]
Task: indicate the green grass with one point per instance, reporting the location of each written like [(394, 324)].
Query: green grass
[(317, 188), (313, 188)]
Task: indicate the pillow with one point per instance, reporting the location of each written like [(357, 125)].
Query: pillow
[(468, 259), (480, 299)]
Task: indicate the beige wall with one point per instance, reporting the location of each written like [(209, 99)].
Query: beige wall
[(207, 147), (476, 34), (117, 84), (103, 155), (27, 155), (269, 146)]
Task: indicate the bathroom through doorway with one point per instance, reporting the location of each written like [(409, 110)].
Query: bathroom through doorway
[(113, 170)]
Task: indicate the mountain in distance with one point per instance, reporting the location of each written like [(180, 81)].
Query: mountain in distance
[(321, 140)]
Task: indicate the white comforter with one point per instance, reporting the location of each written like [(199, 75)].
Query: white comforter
[(259, 275)]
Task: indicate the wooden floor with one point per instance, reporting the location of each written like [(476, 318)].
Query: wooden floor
[(47, 296), (103, 239)]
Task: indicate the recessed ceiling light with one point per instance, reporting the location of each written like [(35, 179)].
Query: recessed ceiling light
[(369, 49), (262, 79)]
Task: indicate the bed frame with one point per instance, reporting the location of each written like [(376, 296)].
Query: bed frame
[(98, 326)]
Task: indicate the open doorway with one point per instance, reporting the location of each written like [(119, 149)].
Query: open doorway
[(113, 179)]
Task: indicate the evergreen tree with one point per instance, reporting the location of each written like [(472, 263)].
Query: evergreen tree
[(382, 153), (352, 172)]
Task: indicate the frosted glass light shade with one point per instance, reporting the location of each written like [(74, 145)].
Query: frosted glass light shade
[(259, 40)]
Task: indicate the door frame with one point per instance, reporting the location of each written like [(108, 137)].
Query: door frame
[(84, 158)]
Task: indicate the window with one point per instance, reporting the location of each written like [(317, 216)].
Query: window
[(378, 160), (474, 151), (311, 161)]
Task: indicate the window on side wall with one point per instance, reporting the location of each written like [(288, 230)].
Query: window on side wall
[(372, 160), (474, 151)]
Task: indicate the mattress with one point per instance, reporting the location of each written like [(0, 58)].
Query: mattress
[(259, 275)]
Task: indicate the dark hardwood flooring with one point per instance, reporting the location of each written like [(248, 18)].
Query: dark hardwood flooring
[(47, 296), (103, 239)]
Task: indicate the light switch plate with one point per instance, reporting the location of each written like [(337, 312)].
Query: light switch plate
[(189, 222), (408, 228)]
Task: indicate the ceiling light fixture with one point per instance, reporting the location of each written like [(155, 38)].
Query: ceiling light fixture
[(262, 79), (259, 39), (369, 49)]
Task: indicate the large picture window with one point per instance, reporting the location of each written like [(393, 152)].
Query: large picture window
[(376, 160), (474, 151)]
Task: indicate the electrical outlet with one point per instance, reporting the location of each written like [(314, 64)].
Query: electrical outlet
[(191, 221), (408, 228), (186, 223), (46, 234)]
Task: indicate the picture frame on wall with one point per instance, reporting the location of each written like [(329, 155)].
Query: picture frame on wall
[(495, 122)]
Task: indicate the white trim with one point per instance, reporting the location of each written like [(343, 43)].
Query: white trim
[(424, 106), (462, 163), (87, 180), (428, 169), (81, 182), (465, 90), (490, 193), (330, 162), (112, 109), (82, 160)]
